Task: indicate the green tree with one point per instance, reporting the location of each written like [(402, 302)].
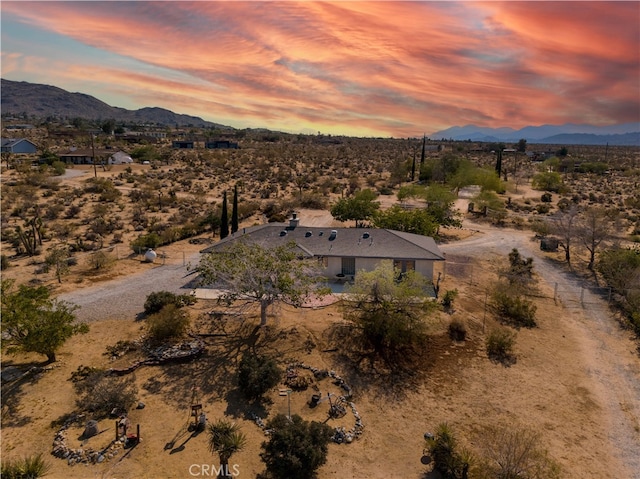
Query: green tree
[(234, 210), (254, 273), (440, 205), (296, 448), (224, 218), (225, 439), (257, 375), (417, 221), (32, 321), (522, 145), (58, 258), (547, 181), (387, 310), (358, 208)]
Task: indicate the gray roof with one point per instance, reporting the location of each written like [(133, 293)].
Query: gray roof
[(347, 242), (10, 142)]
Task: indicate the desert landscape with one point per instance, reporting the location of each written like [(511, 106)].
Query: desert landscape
[(572, 379)]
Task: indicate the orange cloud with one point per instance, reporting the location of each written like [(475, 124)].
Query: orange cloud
[(392, 68)]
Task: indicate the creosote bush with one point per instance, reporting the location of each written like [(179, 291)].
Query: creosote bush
[(500, 343), (170, 322), (514, 309), (159, 299), (457, 330), (100, 393)]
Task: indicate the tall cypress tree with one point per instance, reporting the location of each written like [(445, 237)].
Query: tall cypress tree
[(499, 162), (234, 211), (424, 146), (224, 219)]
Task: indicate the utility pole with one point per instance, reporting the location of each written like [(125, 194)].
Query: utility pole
[(93, 150)]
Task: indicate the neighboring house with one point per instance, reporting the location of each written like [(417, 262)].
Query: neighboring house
[(183, 144), (85, 157), (220, 144), (344, 251), (18, 146)]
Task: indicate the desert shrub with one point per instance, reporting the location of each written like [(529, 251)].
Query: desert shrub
[(546, 198), (448, 459), (256, 375), (296, 448), (159, 299), (449, 296), (143, 242), (83, 372), (30, 467), (170, 322), (515, 452), (100, 260), (500, 343), (543, 209), (100, 393), (58, 168), (314, 201), (457, 330), (514, 308)]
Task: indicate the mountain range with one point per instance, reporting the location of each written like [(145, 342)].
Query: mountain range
[(627, 134), (45, 101)]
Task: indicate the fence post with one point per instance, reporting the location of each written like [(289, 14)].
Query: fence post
[(555, 293)]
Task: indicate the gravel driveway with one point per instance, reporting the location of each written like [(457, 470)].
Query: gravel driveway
[(124, 298)]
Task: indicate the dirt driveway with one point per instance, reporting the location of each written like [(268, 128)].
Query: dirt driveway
[(608, 354)]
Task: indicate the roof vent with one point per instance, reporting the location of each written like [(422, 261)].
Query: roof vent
[(365, 235), (283, 233), (321, 233), (333, 235), (307, 234)]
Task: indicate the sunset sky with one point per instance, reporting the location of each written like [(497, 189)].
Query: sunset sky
[(353, 68)]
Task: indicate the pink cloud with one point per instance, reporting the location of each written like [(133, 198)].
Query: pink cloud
[(396, 68)]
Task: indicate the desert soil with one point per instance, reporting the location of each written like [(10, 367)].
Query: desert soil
[(576, 379)]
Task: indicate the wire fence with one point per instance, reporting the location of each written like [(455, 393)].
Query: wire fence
[(572, 294)]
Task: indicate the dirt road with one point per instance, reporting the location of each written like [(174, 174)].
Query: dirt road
[(608, 354)]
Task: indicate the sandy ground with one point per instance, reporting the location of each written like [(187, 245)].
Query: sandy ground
[(576, 379)]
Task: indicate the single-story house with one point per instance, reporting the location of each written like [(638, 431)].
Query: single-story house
[(19, 146), (85, 157), (344, 251)]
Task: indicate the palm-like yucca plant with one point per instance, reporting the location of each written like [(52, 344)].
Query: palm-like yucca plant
[(30, 467), (225, 439)]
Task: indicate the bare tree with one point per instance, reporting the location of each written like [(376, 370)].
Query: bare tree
[(565, 227), (594, 226)]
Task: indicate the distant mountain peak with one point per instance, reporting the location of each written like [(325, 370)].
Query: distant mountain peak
[(43, 101), (627, 134)]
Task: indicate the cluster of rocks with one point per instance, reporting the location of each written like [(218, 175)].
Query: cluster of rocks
[(341, 435), (81, 455)]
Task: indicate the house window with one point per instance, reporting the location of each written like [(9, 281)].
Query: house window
[(404, 265), (348, 266)]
